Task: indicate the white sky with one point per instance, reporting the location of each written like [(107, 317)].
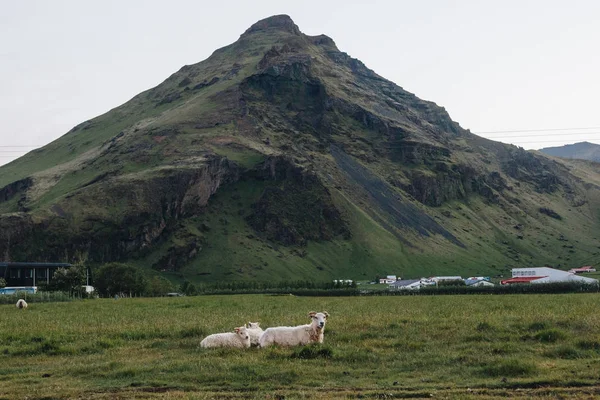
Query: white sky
[(494, 65)]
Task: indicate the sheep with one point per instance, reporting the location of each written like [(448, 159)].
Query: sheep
[(238, 338), (296, 335), (21, 304), (255, 332)]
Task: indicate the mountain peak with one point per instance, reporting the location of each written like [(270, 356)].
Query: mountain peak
[(281, 22)]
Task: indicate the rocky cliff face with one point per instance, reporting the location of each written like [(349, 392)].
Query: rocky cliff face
[(282, 157)]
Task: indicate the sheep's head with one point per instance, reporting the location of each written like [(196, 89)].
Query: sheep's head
[(318, 319), (253, 325), (242, 332)]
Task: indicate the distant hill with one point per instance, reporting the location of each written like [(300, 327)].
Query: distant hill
[(282, 157), (581, 151)]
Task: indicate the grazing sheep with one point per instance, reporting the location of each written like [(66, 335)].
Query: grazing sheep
[(296, 335), (21, 304), (255, 332), (238, 338)]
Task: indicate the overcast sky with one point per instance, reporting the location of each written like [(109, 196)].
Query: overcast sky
[(494, 65)]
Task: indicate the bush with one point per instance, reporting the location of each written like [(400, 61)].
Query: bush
[(116, 279), (158, 286)]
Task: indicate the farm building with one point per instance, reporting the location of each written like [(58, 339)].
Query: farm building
[(445, 278), (28, 273), (478, 282), (545, 275), (388, 279), (582, 270), (407, 284)]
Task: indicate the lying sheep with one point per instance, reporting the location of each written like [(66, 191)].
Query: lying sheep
[(21, 304), (238, 338), (296, 335), (255, 332)]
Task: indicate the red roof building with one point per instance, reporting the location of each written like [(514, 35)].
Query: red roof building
[(520, 279)]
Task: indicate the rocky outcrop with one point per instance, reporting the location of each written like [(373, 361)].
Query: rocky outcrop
[(527, 167), (295, 207), (277, 22), (152, 204), (454, 182), (18, 188)]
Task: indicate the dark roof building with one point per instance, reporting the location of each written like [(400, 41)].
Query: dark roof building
[(28, 273), (405, 283)]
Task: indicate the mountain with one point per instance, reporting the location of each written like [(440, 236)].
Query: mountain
[(582, 151), (282, 157)]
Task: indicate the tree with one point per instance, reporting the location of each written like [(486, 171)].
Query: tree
[(188, 288), (116, 278), (68, 279), (2, 283), (159, 286)]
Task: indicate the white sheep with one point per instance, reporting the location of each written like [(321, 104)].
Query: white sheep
[(21, 304), (238, 338), (255, 332), (296, 335)]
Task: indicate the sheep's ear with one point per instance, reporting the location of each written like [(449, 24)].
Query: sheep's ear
[(237, 330), (249, 324), (312, 314), (326, 314)]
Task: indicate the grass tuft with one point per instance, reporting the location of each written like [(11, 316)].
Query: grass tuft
[(311, 352), (509, 368), (550, 335)]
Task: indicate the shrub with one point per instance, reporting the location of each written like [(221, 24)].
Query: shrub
[(115, 278)]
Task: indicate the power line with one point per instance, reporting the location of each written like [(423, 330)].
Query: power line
[(542, 130), (547, 134)]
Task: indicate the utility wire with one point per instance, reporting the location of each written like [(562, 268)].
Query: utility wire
[(542, 130), (545, 134)]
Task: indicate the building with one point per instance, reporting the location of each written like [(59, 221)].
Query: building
[(545, 275), (388, 279), (445, 278), (28, 273), (407, 284), (476, 282), (582, 270)]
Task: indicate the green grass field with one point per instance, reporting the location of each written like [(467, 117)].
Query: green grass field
[(375, 347)]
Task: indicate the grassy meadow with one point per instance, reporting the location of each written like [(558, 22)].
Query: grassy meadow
[(375, 347)]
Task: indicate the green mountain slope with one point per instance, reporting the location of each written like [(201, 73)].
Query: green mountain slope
[(281, 157)]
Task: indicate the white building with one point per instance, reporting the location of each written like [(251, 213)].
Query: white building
[(445, 278), (388, 279), (545, 275)]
